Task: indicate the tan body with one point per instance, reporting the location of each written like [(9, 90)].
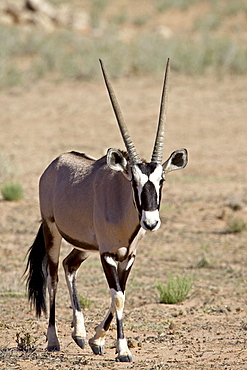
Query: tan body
[(87, 213)]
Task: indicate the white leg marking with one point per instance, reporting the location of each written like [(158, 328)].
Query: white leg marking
[(110, 261), (122, 348), (99, 337), (130, 263), (79, 329), (118, 299), (78, 318)]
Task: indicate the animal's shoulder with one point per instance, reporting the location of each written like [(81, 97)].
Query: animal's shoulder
[(73, 164)]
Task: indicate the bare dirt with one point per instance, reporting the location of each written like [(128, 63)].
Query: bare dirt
[(208, 117)]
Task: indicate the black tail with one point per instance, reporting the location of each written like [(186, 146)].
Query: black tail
[(36, 270)]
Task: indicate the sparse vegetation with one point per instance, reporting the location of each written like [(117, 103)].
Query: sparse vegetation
[(84, 302), (163, 5), (176, 289), (25, 342), (210, 22), (12, 191), (158, 366), (226, 7), (203, 262), (29, 56), (235, 204), (12, 294), (235, 225), (97, 8), (191, 57)]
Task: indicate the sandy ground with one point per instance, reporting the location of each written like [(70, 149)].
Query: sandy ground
[(208, 117)]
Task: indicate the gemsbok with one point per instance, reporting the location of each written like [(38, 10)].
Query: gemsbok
[(103, 205)]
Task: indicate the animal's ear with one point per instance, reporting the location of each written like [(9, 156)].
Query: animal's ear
[(176, 161), (117, 162)]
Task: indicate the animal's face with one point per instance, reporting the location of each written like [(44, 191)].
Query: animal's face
[(147, 180)]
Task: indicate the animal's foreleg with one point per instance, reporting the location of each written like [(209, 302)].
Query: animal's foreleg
[(98, 341), (71, 264), (116, 278), (124, 269)]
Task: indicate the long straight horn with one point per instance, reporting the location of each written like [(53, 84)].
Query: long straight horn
[(159, 141), (131, 149)]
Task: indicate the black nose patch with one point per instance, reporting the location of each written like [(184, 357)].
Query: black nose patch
[(149, 197)]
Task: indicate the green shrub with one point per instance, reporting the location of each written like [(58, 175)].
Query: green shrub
[(203, 262), (235, 225), (176, 289), (84, 302), (12, 191)]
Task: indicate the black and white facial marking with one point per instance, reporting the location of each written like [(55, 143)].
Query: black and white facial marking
[(147, 180)]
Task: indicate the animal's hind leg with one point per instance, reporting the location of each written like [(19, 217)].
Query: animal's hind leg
[(71, 264), (52, 243)]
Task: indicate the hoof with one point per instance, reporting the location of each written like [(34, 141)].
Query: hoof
[(53, 348), (97, 350), (79, 341), (124, 358)]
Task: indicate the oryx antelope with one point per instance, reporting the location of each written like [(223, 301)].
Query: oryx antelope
[(103, 205)]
